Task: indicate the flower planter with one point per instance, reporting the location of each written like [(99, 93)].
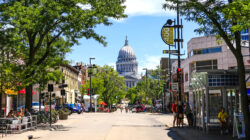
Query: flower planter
[(63, 116)]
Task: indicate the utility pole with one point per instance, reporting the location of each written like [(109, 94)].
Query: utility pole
[(170, 76), (90, 82), (178, 40)]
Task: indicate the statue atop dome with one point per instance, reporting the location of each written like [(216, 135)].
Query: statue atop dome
[(126, 41)]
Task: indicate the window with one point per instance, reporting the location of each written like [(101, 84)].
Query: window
[(206, 65), (205, 51)]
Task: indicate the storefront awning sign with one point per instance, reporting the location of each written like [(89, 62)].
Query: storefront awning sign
[(167, 35)]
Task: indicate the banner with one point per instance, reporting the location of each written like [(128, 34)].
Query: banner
[(167, 34)]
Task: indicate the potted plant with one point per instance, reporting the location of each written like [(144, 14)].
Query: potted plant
[(63, 113)]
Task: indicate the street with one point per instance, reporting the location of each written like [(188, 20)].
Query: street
[(106, 126)]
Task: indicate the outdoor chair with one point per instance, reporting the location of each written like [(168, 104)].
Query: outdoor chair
[(24, 124), (3, 126), (14, 126)]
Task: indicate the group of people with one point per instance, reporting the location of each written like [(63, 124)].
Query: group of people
[(18, 115), (178, 112)]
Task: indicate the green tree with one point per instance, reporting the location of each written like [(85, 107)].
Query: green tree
[(108, 84), (226, 19), (37, 27), (148, 89), (131, 95)]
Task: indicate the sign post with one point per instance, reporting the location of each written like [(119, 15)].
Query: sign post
[(175, 87)]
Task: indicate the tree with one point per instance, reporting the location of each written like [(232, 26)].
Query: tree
[(147, 90), (37, 27), (108, 84), (223, 18)]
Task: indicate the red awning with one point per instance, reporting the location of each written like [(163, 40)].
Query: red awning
[(102, 103), (23, 91)]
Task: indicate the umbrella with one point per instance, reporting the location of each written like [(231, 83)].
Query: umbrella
[(102, 103)]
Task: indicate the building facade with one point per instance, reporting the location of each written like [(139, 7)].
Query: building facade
[(127, 65), (210, 79)]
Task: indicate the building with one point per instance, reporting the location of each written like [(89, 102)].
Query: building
[(127, 65), (82, 77), (211, 80)]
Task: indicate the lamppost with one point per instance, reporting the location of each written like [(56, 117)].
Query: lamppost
[(91, 70), (146, 79), (169, 37)]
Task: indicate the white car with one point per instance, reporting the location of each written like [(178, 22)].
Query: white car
[(35, 106)]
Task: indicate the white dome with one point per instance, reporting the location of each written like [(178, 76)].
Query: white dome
[(126, 51)]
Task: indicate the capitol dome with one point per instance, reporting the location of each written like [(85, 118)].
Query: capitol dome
[(126, 51), (127, 66)]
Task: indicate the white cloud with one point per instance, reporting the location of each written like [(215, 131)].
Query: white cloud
[(150, 63), (146, 7)]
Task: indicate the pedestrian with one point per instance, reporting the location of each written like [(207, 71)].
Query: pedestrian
[(180, 116), (174, 110), (27, 113), (189, 115), (223, 120), (121, 108)]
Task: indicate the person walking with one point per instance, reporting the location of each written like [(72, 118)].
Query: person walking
[(174, 110), (189, 115), (180, 116)]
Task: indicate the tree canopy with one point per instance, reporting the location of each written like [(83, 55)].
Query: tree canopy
[(108, 84), (43, 31)]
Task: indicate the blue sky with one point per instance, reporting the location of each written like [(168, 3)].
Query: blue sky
[(142, 27)]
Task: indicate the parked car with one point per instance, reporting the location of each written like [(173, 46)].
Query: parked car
[(74, 108), (35, 106)]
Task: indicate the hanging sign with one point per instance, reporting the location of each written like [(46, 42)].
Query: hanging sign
[(167, 35)]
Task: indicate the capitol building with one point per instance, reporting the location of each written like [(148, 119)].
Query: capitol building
[(127, 66)]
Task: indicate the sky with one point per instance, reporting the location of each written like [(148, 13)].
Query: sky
[(143, 26)]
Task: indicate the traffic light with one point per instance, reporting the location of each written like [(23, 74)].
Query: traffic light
[(50, 87), (63, 92), (179, 69), (171, 90), (88, 92)]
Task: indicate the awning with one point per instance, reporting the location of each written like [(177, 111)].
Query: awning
[(10, 92), (23, 91)]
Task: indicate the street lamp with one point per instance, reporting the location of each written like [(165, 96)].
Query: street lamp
[(90, 72), (146, 79)]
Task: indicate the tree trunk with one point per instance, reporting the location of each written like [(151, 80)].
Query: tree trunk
[(28, 97), (244, 97), (1, 95)]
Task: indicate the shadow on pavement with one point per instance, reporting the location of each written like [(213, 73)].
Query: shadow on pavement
[(190, 133), (173, 135)]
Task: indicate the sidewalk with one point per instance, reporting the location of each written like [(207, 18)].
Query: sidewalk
[(189, 133)]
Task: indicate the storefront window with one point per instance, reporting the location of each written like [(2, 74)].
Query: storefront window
[(215, 103)]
